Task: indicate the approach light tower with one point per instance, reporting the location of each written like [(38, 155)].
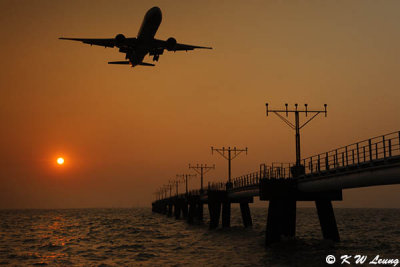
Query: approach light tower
[(298, 169), (185, 178), (201, 169), (162, 192), (176, 183), (169, 186), (229, 156)]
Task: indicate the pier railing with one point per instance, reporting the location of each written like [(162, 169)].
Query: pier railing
[(364, 152), (273, 171), (217, 186)]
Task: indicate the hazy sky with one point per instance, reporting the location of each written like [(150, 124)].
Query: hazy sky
[(124, 132)]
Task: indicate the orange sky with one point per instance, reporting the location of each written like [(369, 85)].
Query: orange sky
[(124, 132)]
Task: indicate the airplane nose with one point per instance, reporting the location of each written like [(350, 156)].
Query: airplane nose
[(155, 13), (156, 8)]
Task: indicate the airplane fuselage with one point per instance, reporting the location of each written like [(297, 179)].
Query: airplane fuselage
[(147, 31), (135, 49)]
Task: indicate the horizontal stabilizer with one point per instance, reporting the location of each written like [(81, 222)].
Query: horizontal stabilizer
[(119, 62), (146, 64), (128, 63)]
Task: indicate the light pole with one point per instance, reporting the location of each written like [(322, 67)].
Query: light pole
[(298, 169), (201, 169), (185, 177), (229, 156)]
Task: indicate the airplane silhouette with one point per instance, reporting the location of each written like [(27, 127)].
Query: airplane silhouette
[(145, 43)]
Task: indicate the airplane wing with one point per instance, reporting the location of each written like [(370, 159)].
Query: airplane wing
[(172, 45), (186, 47), (99, 42)]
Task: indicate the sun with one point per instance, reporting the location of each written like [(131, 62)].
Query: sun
[(60, 161)]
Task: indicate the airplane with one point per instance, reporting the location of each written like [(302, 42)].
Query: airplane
[(145, 43)]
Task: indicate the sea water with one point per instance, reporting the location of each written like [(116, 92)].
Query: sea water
[(138, 237)]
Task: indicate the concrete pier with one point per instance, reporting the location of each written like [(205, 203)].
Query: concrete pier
[(320, 178), (283, 195), (246, 215)]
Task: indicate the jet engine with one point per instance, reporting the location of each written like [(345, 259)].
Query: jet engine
[(120, 39), (171, 43)]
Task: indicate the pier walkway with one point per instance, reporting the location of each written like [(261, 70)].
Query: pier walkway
[(320, 178)]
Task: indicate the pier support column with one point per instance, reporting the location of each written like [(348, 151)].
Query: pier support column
[(226, 214), (272, 233), (215, 210), (192, 212), (246, 215), (281, 220), (169, 209), (177, 211), (200, 211), (184, 209), (164, 209), (289, 218), (327, 220)]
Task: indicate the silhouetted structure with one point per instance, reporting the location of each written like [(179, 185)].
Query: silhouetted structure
[(371, 162), (220, 197), (282, 194), (201, 169), (298, 168), (229, 156), (185, 178), (136, 49)]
